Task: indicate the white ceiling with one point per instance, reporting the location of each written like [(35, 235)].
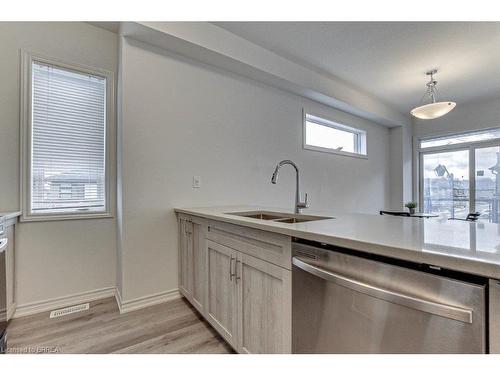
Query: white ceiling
[(389, 59)]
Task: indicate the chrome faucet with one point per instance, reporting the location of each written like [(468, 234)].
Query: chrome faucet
[(298, 204)]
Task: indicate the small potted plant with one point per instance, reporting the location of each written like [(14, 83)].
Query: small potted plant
[(411, 206)]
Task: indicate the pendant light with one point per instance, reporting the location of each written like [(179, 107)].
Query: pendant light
[(433, 109)]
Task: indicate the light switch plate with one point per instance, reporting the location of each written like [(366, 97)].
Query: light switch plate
[(196, 182)]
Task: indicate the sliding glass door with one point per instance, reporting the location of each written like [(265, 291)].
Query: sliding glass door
[(460, 174), (446, 183), (487, 182)]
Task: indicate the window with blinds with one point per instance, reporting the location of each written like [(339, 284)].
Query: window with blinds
[(68, 140)]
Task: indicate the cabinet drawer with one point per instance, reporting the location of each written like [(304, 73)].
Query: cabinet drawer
[(272, 247)]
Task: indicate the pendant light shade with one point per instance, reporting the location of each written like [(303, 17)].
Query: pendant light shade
[(433, 109)]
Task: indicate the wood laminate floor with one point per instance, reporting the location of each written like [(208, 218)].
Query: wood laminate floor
[(172, 327)]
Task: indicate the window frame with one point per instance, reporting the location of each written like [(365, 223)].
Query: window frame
[(27, 59), (362, 142), (471, 147)]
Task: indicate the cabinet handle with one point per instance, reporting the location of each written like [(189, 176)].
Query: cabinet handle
[(236, 271), (187, 230), (231, 274)]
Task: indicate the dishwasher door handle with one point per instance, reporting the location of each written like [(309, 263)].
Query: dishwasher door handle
[(446, 311)]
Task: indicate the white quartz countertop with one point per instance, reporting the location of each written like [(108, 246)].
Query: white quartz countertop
[(472, 247)]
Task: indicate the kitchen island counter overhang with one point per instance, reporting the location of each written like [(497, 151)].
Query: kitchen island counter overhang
[(471, 247)]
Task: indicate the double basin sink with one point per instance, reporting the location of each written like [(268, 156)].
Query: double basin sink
[(279, 217)]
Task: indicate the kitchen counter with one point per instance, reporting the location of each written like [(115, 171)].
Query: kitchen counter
[(7, 215), (472, 247)]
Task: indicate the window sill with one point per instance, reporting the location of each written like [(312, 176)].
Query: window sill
[(25, 218), (336, 152)]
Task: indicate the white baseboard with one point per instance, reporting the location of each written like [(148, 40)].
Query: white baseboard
[(75, 299), (11, 310), (142, 302), (56, 303), (118, 298)]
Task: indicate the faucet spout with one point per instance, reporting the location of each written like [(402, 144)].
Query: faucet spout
[(275, 174), (298, 203)]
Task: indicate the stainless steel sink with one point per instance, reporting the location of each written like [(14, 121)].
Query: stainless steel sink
[(293, 220), (261, 216), (279, 217)]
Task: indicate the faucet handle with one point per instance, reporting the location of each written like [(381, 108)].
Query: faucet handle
[(304, 204)]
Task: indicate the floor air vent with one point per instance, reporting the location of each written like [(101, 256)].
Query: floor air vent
[(69, 310)]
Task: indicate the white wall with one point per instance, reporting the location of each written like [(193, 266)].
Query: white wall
[(476, 115), (216, 46), (400, 166), (396, 175), (54, 259), (181, 118)]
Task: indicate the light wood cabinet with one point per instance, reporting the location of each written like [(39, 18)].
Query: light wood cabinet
[(186, 258), (192, 275), (221, 290), (10, 268), (249, 300), (264, 306), (271, 247), (240, 280), (199, 280)]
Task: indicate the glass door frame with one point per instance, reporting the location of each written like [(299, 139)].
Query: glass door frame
[(471, 146)]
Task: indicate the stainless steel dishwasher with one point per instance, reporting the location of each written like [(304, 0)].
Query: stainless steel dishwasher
[(345, 303)]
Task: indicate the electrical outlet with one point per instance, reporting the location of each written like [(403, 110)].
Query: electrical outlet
[(196, 182)]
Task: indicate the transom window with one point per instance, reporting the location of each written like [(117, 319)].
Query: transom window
[(479, 136), (459, 174), (324, 135), (65, 140)]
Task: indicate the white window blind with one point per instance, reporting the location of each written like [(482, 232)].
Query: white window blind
[(67, 140)]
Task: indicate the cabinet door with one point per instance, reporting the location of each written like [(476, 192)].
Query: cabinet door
[(10, 271), (221, 290), (264, 306), (199, 267), (186, 258)]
